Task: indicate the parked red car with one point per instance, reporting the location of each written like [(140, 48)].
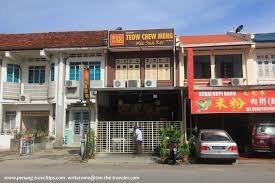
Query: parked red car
[(263, 137)]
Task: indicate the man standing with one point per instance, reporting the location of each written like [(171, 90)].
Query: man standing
[(138, 136)]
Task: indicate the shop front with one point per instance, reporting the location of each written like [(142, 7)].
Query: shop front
[(235, 111), (142, 80), (120, 111)]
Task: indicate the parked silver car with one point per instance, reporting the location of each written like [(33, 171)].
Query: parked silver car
[(216, 144)]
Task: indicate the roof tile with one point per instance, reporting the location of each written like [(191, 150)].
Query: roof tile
[(53, 40)]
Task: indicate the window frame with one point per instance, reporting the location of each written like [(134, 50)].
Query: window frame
[(94, 66), (52, 71), (38, 72), (261, 60), (199, 74), (9, 121), (14, 68), (229, 60)]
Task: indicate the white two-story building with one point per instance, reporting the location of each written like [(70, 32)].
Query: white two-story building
[(39, 79)]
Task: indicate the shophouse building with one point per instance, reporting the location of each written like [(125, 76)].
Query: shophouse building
[(40, 82), (142, 89), (231, 91)]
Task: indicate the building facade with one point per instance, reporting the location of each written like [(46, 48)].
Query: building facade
[(40, 82), (137, 77)]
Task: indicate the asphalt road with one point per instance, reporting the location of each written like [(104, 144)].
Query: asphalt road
[(78, 172)]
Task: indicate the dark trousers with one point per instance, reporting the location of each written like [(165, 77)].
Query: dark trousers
[(139, 147)]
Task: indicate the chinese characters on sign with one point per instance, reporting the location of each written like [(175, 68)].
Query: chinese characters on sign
[(86, 84), (233, 101), (140, 38)]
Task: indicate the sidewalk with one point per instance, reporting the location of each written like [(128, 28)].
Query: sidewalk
[(117, 159)]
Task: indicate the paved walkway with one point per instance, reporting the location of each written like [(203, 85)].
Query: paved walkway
[(71, 156), (115, 159)]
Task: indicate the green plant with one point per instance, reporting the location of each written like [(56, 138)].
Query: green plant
[(163, 143), (91, 148), (184, 149), (20, 133), (174, 134), (163, 152)]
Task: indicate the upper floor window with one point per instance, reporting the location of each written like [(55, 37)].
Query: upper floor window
[(202, 68), (128, 69), (157, 68), (229, 66), (94, 67), (266, 66), (37, 74), (52, 71), (13, 73)]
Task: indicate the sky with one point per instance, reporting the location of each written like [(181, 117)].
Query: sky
[(188, 17)]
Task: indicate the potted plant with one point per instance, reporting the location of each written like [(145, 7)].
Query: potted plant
[(184, 152), (163, 145), (92, 144)]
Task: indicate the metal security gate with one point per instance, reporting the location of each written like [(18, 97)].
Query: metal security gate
[(81, 125), (117, 136)]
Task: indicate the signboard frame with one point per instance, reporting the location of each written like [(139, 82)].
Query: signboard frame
[(142, 38)]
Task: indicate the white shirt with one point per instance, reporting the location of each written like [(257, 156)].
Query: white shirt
[(138, 134)]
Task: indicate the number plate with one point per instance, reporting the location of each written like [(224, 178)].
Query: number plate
[(218, 147)]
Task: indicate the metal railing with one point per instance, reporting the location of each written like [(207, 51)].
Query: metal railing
[(117, 136)]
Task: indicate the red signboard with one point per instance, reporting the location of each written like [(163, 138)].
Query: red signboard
[(252, 101)]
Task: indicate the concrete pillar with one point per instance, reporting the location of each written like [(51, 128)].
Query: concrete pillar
[(181, 67), (212, 63), (60, 106), (251, 76)]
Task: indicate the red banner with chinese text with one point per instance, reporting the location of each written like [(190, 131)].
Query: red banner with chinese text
[(251, 101)]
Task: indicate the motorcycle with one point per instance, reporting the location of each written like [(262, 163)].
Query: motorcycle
[(173, 155)]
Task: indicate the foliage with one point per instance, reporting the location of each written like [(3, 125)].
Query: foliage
[(91, 144), (163, 143), (163, 152), (173, 133), (20, 133), (184, 149)]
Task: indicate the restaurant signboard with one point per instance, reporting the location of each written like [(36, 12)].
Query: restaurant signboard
[(252, 101), (141, 38)]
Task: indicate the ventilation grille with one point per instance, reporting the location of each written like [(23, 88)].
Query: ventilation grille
[(75, 55), (37, 59)]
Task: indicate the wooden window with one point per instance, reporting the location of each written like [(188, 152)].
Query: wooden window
[(121, 69), (163, 69), (266, 66), (151, 71)]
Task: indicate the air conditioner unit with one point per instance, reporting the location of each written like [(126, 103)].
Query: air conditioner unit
[(236, 81), (24, 98), (150, 83), (71, 83), (216, 82), (119, 84), (133, 83)]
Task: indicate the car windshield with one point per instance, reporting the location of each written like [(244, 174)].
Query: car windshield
[(266, 130), (214, 136)]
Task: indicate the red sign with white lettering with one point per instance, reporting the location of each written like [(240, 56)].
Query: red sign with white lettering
[(255, 101)]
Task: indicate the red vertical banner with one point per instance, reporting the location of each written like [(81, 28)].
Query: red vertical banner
[(190, 73), (86, 84)]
